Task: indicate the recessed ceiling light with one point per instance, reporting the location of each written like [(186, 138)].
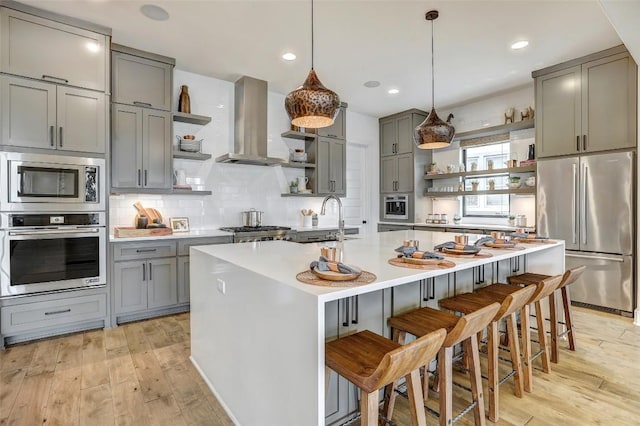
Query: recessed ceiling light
[(371, 84), (289, 56), (393, 91), (154, 12), (520, 44)]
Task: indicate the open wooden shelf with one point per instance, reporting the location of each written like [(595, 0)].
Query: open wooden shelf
[(191, 155), (304, 136), (523, 169), (191, 118), (295, 165), (517, 191)]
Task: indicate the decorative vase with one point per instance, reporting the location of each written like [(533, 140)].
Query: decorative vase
[(492, 186), (184, 104), (474, 186)]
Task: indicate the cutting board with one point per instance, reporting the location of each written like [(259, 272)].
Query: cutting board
[(130, 231)]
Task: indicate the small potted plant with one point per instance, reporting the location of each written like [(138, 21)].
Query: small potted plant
[(457, 218), (492, 184), (514, 182), (433, 168), (474, 167), (293, 187), (474, 185), (512, 219)]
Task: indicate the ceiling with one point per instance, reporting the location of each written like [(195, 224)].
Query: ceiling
[(359, 40)]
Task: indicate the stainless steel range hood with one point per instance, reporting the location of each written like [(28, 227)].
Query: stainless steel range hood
[(250, 141)]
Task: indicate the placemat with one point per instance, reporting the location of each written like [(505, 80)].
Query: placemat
[(516, 248), (469, 256), (309, 277), (534, 241), (443, 264)]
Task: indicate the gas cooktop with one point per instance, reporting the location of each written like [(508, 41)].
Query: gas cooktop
[(255, 228)]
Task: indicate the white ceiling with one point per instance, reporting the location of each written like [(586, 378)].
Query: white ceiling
[(358, 40)]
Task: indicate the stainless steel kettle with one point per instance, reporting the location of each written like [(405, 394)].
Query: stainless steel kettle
[(252, 218)]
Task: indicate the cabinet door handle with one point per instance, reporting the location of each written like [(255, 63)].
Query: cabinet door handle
[(150, 272), (345, 323), (144, 272), (64, 311), (60, 137), (142, 103), (146, 175), (354, 318), (584, 142), (145, 250), (139, 177), (52, 131), (51, 77), (578, 143)]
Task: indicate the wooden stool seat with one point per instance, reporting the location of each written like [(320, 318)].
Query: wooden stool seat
[(509, 305), (459, 329), (371, 362), (569, 277)]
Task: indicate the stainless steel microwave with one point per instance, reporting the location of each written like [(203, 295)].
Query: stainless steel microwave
[(44, 183), (396, 207)]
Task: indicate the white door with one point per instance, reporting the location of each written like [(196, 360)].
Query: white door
[(355, 203)]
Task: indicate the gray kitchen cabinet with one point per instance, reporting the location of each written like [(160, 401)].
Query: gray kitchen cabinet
[(396, 134), (587, 105), (42, 49), (396, 173), (37, 114), (130, 286), (141, 148), (183, 280), (140, 81), (145, 284), (330, 166), (338, 129)]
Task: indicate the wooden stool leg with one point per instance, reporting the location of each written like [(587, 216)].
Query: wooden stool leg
[(389, 390), (514, 349), (415, 399), (542, 338), (471, 353), (526, 348), (492, 362), (369, 408), (568, 317), (553, 324), (445, 365)]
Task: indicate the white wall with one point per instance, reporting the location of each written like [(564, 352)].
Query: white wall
[(475, 115), (240, 187)]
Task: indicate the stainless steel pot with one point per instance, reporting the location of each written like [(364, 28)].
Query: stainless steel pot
[(252, 218)]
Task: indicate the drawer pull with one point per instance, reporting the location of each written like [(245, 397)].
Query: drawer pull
[(145, 250), (147, 104), (64, 311), (51, 77)]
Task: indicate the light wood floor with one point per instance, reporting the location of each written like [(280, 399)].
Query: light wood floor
[(140, 374)]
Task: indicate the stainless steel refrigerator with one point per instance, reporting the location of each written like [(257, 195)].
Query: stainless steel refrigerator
[(588, 201)]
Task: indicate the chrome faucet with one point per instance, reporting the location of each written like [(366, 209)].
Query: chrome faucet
[(340, 217)]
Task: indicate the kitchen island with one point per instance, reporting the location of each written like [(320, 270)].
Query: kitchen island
[(257, 334)]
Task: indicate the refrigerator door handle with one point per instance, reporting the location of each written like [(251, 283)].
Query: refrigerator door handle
[(596, 257), (574, 205), (583, 210)]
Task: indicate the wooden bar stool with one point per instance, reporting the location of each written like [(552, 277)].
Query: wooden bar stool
[(509, 305), (422, 322), (543, 290), (371, 362), (569, 277)]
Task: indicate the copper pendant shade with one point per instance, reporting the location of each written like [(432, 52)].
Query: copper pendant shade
[(433, 132), (312, 105)]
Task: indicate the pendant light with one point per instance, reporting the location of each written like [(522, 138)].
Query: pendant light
[(312, 105), (433, 132)]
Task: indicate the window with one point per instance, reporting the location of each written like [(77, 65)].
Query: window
[(480, 158)]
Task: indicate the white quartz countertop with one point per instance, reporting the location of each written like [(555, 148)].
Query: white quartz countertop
[(203, 233), (464, 226), (319, 228), (281, 260)]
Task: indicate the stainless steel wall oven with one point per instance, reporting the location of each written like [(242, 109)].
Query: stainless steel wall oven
[(396, 207), (51, 183), (50, 252)]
